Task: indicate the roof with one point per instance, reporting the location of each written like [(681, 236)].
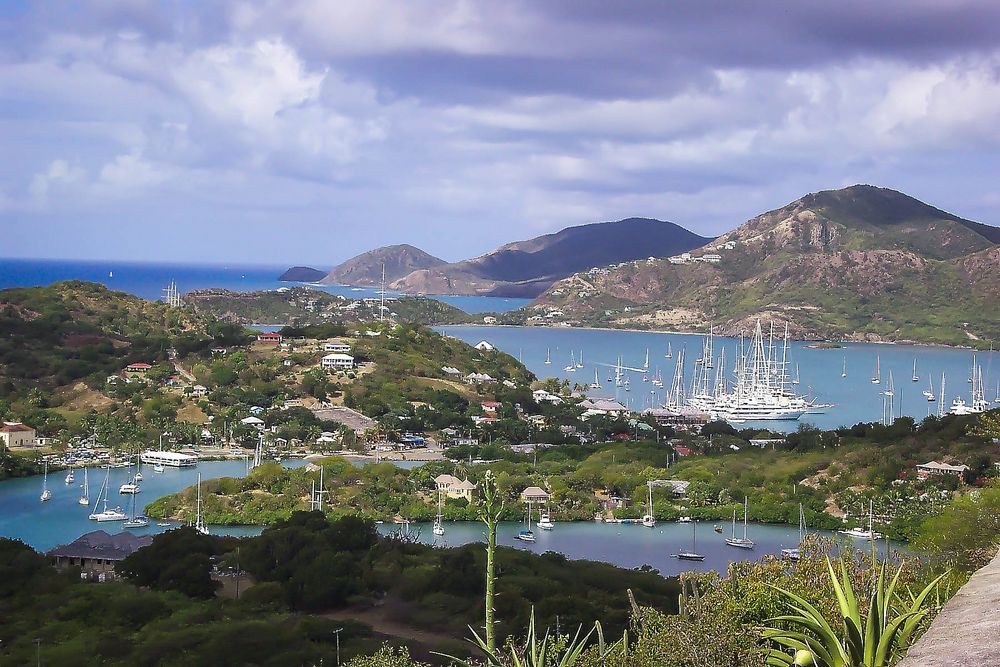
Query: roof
[(450, 480), (945, 467), (337, 356), (99, 544), (534, 492), (465, 484), (139, 365), (251, 420), (15, 427), (168, 455), (603, 404)]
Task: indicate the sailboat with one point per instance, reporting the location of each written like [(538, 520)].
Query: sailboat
[(544, 522), (648, 520), (69, 477), (693, 554), (438, 525), (579, 364), (571, 368), (133, 520), (889, 390), (526, 535), (843, 373), (795, 552), (996, 395), (46, 494), (670, 351), (596, 384), (85, 498), (864, 534), (131, 486), (199, 524), (915, 377), (877, 376), (929, 392), (548, 356), (138, 468), (740, 542), (105, 514)]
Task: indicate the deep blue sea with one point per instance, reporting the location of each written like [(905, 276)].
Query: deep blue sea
[(147, 279)]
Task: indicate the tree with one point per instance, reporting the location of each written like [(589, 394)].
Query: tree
[(177, 560), (987, 425), (966, 535), (490, 511)]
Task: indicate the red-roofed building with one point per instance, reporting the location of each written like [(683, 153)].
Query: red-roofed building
[(683, 451), (490, 407), (16, 434), (269, 338)]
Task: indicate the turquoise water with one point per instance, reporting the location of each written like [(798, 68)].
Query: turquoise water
[(855, 398), (148, 279)]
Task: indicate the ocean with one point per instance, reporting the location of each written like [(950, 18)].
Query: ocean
[(148, 279)]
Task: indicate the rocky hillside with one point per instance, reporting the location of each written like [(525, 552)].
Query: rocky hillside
[(527, 268), (859, 263), (366, 268)]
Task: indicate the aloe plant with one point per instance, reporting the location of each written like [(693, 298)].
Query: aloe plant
[(875, 641), (544, 651)]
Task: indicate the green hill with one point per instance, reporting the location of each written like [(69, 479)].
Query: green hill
[(861, 263)]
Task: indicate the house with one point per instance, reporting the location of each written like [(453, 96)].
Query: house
[(489, 319), (338, 362), (199, 390), (490, 407), (256, 422), (453, 487), (450, 370), (269, 338), (925, 470), (540, 395), (341, 348), (16, 434), (534, 494), (711, 258), (461, 440), (478, 378), (97, 552), (683, 451), (138, 369), (601, 406), (256, 410), (484, 346), (219, 351)]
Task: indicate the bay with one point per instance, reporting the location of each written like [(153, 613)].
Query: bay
[(854, 398), (148, 279)]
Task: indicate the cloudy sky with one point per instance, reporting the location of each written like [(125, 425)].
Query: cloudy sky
[(307, 131)]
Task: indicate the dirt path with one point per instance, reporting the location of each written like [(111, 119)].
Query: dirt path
[(376, 618)]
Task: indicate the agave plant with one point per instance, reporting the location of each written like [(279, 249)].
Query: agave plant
[(544, 651), (877, 641)]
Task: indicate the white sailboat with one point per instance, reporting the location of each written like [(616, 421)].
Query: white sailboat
[(105, 514), (795, 553), (890, 389), (996, 394), (929, 392), (438, 524), (670, 351), (648, 520), (877, 375), (693, 554), (915, 377), (199, 523), (85, 497), (843, 373), (134, 521), (526, 535), (46, 494), (740, 542), (548, 356), (862, 534), (579, 364), (69, 477), (131, 486), (544, 522), (571, 368), (596, 384)]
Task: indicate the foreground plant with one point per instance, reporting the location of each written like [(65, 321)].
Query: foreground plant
[(878, 640)]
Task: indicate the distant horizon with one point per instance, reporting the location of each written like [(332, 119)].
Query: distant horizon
[(306, 132)]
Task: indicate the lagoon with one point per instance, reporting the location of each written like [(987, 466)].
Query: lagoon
[(855, 398)]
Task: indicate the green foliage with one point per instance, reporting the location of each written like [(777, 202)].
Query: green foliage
[(875, 640), (967, 533), (177, 560)]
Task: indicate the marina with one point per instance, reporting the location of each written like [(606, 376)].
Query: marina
[(838, 382)]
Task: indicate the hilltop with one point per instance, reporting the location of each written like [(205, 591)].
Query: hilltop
[(302, 274), (366, 268), (519, 269), (861, 263)]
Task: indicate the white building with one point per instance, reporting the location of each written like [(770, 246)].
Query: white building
[(925, 470), (484, 346), (338, 362), (172, 459), (16, 434), (340, 348)]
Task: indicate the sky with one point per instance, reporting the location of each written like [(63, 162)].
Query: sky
[(307, 131)]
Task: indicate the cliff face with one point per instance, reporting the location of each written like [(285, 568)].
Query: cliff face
[(860, 263)]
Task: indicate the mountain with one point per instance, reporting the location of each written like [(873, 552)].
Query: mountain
[(302, 274), (527, 268), (862, 263), (366, 268)]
